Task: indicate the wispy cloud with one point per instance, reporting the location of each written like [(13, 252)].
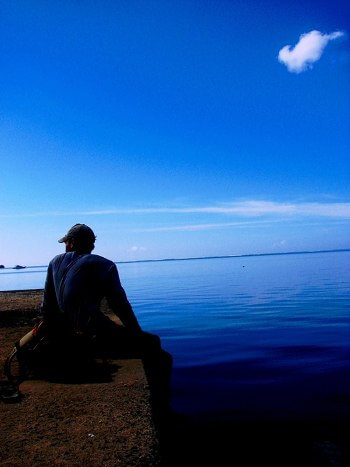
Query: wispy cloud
[(251, 208), (247, 208), (307, 51), (195, 227), (235, 225)]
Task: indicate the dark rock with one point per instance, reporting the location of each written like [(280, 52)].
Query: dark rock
[(2, 266), (19, 267)]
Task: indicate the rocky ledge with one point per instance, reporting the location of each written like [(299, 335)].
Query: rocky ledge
[(106, 422)]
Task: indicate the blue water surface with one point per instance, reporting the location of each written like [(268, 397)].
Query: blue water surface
[(264, 335)]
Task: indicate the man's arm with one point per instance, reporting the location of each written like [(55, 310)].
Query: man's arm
[(49, 303), (118, 301)]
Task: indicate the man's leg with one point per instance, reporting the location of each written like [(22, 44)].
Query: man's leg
[(117, 341)]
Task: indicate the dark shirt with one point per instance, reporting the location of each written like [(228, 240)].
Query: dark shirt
[(74, 287)]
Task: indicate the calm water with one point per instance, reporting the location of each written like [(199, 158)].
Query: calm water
[(257, 335)]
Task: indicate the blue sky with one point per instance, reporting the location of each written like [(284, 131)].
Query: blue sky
[(172, 128)]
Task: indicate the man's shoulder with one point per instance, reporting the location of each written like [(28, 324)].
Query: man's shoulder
[(100, 259), (60, 261), (66, 258), (58, 258)]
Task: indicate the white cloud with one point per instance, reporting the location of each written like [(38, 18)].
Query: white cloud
[(237, 225), (136, 248), (251, 208), (247, 208), (307, 51), (195, 227), (282, 243)]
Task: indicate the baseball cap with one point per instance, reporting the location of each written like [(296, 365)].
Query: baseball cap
[(79, 232)]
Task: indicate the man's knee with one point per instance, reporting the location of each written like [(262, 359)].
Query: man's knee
[(167, 359), (151, 341)]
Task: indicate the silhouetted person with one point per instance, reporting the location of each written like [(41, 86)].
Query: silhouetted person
[(76, 282)]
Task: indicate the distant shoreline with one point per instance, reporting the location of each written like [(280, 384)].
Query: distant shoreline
[(192, 258), (233, 256)]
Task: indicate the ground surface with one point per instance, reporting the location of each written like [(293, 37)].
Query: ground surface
[(106, 422)]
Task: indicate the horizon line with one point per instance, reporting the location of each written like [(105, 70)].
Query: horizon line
[(191, 258), (338, 250)]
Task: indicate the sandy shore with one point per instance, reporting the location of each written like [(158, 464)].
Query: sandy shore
[(94, 423)]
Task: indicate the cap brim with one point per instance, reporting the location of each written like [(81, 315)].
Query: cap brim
[(63, 239)]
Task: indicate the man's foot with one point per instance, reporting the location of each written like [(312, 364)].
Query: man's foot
[(9, 392)]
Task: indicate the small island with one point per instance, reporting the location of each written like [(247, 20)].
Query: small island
[(18, 266), (2, 266)]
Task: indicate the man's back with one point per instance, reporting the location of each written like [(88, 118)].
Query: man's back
[(75, 286)]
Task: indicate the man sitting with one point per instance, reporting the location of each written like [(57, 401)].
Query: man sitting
[(73, 323), (75, 284)]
